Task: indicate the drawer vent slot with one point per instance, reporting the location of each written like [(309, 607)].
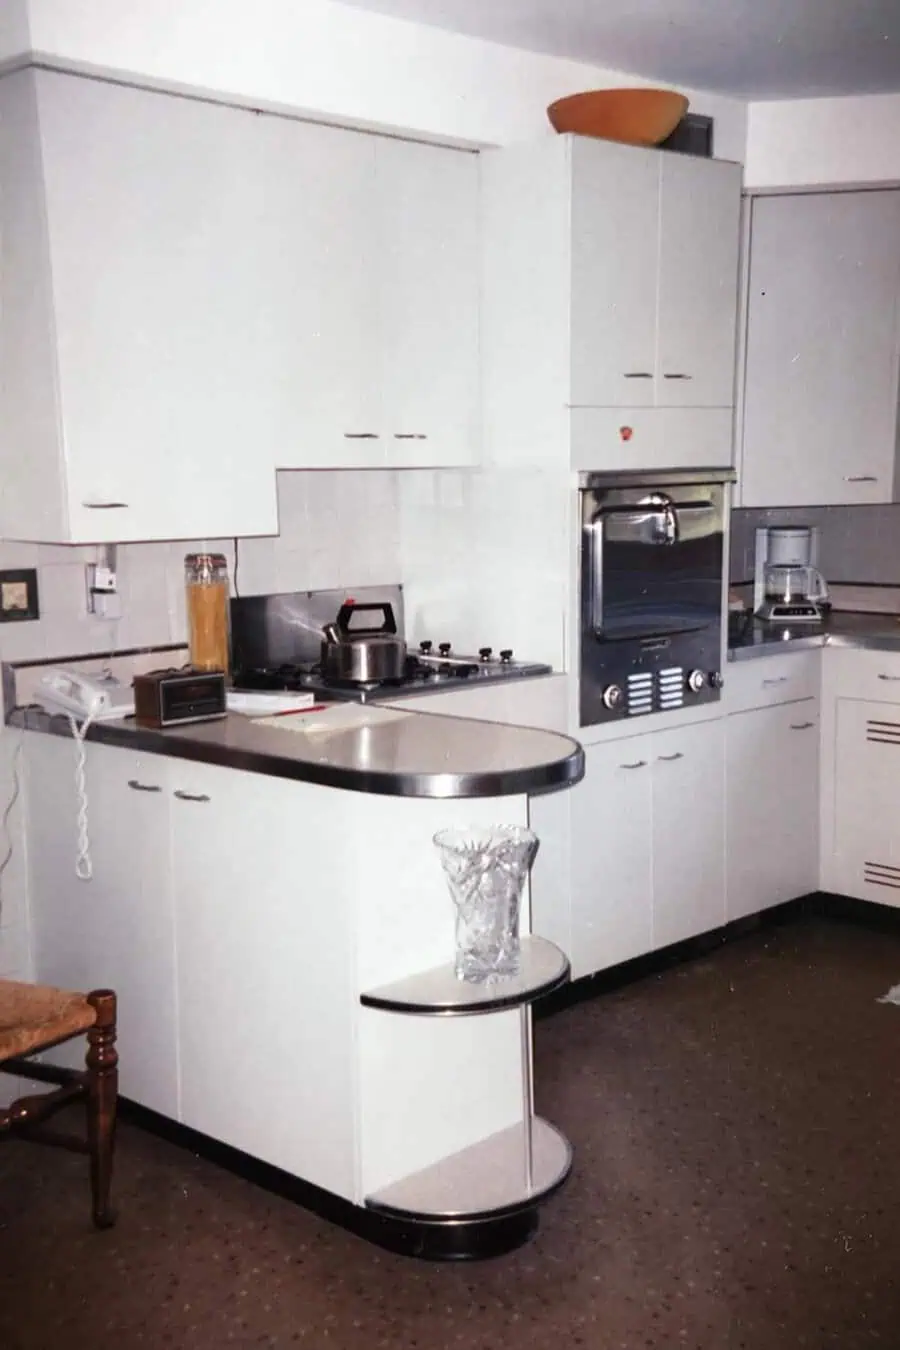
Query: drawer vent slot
[(882, 874), (883, 733)]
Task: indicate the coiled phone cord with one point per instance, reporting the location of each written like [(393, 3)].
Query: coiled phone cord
[(84, 868)]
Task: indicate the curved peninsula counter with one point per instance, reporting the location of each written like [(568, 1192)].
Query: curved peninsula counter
[(270, 907)]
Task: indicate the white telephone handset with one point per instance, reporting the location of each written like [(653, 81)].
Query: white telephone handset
[(84, 698), (92, 697)]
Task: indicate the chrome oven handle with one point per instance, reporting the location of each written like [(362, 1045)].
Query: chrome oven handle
[(595, 571)]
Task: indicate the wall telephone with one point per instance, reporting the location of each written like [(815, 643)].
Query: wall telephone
[(95, 698)]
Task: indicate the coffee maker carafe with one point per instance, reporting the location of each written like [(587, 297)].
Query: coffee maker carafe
[(787, 586)]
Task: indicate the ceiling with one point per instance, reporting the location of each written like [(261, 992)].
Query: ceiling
[(755, 49)]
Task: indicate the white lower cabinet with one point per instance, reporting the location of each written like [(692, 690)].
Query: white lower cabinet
[(199, 872), (865, 860), (611, 878), (117, 929), (772, 830), (688, 831), (264, 1061), (646, 838)]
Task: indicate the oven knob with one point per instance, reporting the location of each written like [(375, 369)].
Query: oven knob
[(485, 653), (716, 679), (444, 648), (613, 697), (506, 654), (425, 647), (696, 681)]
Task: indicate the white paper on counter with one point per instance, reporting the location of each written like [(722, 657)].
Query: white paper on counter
[(252, 702), (337, 717)]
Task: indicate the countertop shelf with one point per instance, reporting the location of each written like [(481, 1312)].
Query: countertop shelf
[(487, 1180), (438, 993)]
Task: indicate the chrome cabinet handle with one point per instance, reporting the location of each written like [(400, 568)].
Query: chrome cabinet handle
[(361, 436), (105, 506), (801, 726), (778, 679), (143, 787), (638, 764), (191, 796), (668, 759), (638, 374), (892, 678), (861, 478), (676, 375), (410, 436)]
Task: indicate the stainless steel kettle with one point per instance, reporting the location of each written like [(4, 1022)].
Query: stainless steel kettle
[(355, 652)]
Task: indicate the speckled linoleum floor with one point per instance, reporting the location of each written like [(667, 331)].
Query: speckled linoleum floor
[(737, 1187)]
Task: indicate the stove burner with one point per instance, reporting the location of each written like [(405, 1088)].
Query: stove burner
[(422, 671)]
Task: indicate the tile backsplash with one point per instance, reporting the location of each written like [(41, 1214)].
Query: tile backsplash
[(858, 544), (336, 528)]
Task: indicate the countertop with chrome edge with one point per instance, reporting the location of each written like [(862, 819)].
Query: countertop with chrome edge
[(417, 754), (841, 628)]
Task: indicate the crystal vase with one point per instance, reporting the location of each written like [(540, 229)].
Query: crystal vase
[(486, 871)]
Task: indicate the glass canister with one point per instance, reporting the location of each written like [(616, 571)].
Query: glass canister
[(208, 604)]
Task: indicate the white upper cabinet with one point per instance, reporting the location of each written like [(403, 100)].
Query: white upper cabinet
[(193, 295), (609, 305), (823, 340), (318, 254), (427, 265), (615, 220), (372, 248), (137, 404), (699, 235)]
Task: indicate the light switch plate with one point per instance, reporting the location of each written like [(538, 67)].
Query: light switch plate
[(19, 595)]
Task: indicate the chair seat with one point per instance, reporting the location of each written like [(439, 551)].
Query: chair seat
[(35, 1015)]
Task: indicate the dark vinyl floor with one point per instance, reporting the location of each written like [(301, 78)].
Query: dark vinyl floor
[(737, 1187)]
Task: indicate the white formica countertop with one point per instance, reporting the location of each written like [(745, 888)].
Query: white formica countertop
[(398, 753)]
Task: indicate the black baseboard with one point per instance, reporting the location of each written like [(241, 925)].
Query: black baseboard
[(818, 904), (429, 1240)]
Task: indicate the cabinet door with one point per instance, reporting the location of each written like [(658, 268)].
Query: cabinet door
[(688, 832), (611, 862), (264, 973), (820, 402), (318, 301), (615, 233), (116, 929), (772, 827), (153, 206), (426, 215), (700, 205), (867, 800)]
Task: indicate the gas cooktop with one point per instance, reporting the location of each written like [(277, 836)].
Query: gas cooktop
[(426, 672)]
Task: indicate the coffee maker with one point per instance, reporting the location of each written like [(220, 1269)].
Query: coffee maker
[(787, 585)]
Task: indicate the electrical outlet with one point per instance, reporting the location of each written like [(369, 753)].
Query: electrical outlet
[(19, 595)]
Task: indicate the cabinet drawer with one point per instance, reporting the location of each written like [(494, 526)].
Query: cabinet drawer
[(772, 679), (651, 438), (873, 676)]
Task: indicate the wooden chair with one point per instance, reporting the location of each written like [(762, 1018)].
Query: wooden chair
[(35, 1017)]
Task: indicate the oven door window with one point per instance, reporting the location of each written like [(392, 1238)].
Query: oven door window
[(660, 569)]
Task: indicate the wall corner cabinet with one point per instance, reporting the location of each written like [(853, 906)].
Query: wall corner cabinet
[(822, 350), (610, 302), (193, 295)]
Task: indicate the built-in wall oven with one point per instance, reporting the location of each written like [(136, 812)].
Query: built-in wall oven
[(652, 558)]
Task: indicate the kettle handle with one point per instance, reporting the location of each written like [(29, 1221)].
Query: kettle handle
[(384, 608)]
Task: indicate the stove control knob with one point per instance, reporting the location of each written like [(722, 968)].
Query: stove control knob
[(506, 654), (716, 679), (696, 681), (444, 648), (485, 653), (425, 647), (613, 697)]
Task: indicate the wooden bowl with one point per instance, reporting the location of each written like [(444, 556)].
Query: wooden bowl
[(635, 116)]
